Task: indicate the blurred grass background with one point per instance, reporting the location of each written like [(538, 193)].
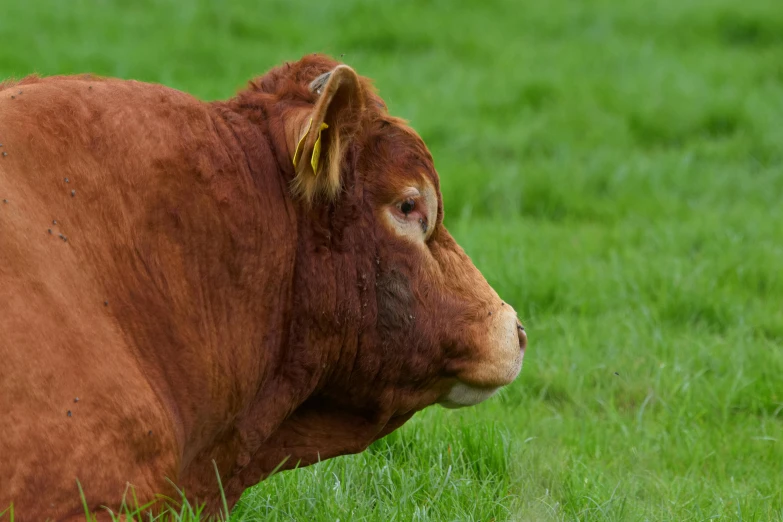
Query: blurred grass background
[(614, 167)]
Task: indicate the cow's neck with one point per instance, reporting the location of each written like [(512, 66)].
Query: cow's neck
[(206, 297)]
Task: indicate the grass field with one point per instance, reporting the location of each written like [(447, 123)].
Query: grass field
[(614, 167)]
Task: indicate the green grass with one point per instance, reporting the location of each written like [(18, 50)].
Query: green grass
[(614, 167)]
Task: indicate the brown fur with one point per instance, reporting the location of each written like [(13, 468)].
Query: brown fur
[(197, 310)]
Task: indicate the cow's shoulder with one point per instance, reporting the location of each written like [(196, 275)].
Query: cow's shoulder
[(58, 118)]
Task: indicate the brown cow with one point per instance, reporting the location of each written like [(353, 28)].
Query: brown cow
[(236, 282)]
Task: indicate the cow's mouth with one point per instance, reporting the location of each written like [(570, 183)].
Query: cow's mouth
[(462, 395), (498, 366)]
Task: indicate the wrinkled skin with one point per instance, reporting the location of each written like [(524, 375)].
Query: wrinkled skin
[(215, 305)]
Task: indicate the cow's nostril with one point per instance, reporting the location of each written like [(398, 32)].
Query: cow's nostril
[(522, 337)]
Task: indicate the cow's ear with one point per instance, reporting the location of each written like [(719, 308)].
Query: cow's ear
[(322, 137)]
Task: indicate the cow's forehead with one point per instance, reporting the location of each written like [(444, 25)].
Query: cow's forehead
[(402, 154)]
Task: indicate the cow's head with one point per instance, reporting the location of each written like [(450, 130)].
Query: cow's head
[(393, 313)]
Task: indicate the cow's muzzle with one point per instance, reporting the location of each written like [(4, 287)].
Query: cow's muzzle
[(499, 349)]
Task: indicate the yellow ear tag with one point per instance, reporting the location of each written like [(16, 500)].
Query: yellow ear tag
[(317, 150), (300, 145)]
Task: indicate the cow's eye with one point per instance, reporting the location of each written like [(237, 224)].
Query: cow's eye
[(407, 206)]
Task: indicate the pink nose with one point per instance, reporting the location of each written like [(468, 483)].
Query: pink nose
[(522, 336)]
